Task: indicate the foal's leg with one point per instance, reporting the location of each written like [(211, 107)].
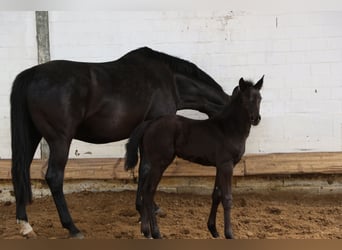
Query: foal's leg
[(144, 169), (141, 206), (149, 225), (216, 198), (224, 174), (54, 178)]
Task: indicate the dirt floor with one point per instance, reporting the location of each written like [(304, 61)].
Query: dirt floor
[(112, 215)]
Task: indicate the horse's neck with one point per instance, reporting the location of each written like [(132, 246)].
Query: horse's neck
[(236, 117), (195, 93)]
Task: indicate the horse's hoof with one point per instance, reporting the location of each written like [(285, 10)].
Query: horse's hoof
[(77, 236), (31, 235), (215, 234), (229, 236), (160, 213), (213, 231), (156, 236), (26, 230), (146, 235)]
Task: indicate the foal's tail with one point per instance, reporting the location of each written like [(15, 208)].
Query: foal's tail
[(22, 134), (133, 145)]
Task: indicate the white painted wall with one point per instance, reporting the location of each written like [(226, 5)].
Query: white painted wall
[(299, 53), (18, 51)]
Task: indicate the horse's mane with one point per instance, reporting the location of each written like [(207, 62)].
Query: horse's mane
[(180, 66)]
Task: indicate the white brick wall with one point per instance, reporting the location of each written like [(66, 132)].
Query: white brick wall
[(18, 51), (299, 53)]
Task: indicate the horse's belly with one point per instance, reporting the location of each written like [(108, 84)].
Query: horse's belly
[(192, 155), (104, 131), (97, 138)]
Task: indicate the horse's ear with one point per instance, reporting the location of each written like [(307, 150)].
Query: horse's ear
[(259, 84), (242, 84)]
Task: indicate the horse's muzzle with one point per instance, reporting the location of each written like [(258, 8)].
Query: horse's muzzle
[(256, 120)]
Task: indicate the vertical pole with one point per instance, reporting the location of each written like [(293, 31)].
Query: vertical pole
[(43, 48)]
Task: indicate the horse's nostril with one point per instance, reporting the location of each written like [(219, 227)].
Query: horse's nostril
[(255, 120)]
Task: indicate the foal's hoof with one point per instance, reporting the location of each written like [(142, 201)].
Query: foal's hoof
[(77, 236), (214, 234), (156, 236), (147, 235), (229, 236), (213, 231)]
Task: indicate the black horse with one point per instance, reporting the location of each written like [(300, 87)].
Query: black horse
[(96, 103), (218, 141)]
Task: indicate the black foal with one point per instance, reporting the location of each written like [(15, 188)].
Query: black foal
[(218, 141)]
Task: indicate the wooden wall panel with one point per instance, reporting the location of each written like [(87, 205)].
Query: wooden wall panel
[(250, 165)]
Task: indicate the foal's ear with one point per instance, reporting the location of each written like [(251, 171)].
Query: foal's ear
[(259, 84), (242, 84)]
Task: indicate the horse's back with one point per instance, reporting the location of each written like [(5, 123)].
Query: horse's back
[(99, 102)]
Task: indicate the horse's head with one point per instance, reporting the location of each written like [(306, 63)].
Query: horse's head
[(251, 98)]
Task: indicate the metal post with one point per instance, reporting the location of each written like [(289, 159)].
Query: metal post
[(43, 48)]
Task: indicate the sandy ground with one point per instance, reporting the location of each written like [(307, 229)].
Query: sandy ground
[(112, 215)]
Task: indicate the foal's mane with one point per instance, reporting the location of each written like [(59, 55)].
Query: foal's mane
[(249, 83), (181, 66)]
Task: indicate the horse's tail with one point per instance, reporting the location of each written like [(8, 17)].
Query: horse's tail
[(133, 145), (22, 129)]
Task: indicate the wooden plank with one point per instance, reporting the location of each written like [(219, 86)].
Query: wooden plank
[(111, 168), (267, 164), (181, 167), (294, 163), (38, 168)]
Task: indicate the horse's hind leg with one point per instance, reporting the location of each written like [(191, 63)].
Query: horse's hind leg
[(142, 207), (143, 172), (151, 208), (149, 224), (21, 215), (54, 177)]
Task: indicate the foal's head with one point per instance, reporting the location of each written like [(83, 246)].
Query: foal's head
[(251, 98)]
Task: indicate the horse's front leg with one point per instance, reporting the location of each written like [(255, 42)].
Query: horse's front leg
[(224, 174), (216, 198)]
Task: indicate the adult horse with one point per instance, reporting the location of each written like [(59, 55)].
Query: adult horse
[(218, 141), (96, 103)]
